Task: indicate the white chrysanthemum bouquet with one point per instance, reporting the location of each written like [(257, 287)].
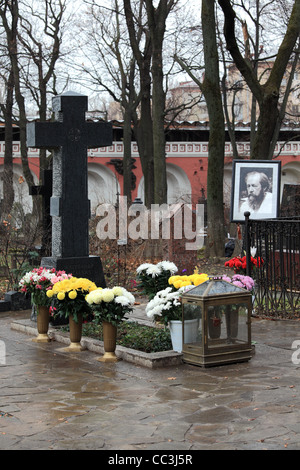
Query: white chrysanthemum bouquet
[(152, 278), (166, 305), (110, 305)]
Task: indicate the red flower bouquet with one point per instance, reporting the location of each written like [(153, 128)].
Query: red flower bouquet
[(239, 264)]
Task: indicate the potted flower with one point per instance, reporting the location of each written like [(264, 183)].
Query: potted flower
[(166, 308), (151, 278), (109, 307), (36, 283), (69, 301)]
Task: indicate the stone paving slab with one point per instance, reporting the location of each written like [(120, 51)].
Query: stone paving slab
[(54, 400)]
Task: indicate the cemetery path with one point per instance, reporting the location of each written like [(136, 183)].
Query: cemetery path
[(54, 400)]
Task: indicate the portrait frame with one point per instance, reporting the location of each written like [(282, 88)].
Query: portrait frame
[(240, 202)]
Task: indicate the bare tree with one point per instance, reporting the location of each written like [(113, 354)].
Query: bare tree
[(40, 35), (33, 40), (157, 17), (141, 45), (212, 93), (109, 63), (210, 87), (266, 94), (9, 13)]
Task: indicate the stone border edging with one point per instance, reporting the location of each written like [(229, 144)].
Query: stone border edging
[(150, 360)]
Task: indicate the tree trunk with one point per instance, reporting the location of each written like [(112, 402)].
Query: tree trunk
[(159, 141), (144, 138), (8, 188), (127, 156), (157, 24), (143, 127), (212, 93), (266, 125)]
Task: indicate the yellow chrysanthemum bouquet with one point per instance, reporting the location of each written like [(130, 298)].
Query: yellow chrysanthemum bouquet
[(191, 280), (69, 297)]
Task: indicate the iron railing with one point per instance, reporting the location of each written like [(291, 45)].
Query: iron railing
[(277, 277)]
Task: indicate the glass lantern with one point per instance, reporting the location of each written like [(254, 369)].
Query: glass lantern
[(216, 323)]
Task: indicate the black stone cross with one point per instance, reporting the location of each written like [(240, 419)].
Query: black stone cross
[(70, 135)]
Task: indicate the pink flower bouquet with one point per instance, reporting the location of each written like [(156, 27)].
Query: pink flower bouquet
[(38, 281), (245, 282)]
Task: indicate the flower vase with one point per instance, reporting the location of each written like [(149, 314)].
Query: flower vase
[(75, 334), (109, 342), (42, 324), (214, 327), (190, 333), (175, 327), (232, 325)]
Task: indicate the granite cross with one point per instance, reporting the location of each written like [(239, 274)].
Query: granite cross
[(70, 136)]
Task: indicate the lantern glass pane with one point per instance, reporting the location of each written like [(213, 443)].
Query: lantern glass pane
[(227, 325), (192, 317)]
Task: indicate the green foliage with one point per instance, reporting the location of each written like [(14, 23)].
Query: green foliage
[(72, 307), (104, 312), (135, 336), (144, 338)]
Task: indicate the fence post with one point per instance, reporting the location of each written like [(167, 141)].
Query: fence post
[(247, 244)]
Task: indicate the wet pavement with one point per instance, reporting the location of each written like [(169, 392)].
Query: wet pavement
[(54, 400)]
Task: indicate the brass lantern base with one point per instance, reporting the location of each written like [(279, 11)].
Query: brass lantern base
[(191, 356)]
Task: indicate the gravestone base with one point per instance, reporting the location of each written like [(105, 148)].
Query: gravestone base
[(15, 301), (89, 267)]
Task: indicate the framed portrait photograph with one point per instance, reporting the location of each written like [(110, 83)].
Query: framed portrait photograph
[(255, 189)]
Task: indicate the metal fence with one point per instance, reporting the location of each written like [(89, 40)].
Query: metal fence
[(277, 276)]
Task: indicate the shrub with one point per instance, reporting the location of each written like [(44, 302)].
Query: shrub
[(135, 336)]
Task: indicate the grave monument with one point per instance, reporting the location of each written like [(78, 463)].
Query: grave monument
[(290, 204), (70, 136)]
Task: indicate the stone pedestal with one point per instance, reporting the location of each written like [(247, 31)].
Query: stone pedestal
[(89, 267)]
